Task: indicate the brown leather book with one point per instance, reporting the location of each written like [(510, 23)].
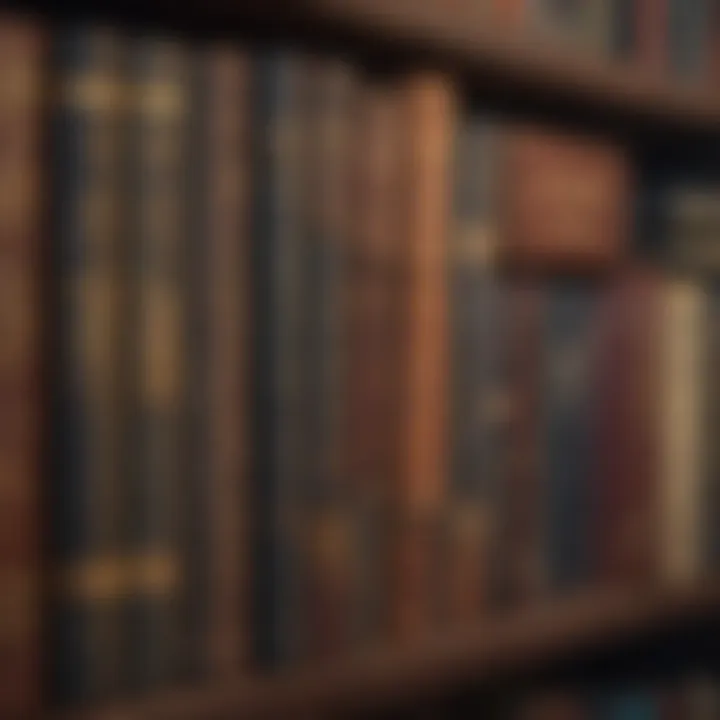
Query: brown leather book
[(428, 118), (21, 51), (564, 200), (226, 134)]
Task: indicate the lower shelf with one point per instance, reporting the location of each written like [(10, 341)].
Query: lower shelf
[(382, 678)]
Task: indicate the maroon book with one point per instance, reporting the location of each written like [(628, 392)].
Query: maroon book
[(21, 50)]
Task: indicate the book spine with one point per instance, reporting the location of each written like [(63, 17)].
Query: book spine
[(473, 393), (21, 57), (568, 364), (711, 493), (157, 491), (428, 112), (689, 39), (651, 37), (372, 269), (276, 346), (222, 252), (681, 482), (626, 404), (326, 509), (87, 534), (524, 573)]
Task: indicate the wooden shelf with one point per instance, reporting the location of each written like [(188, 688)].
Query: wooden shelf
[(566, 629), (455, 34)]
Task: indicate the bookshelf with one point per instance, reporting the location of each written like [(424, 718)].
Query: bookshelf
[(453, 34), (386, 679)]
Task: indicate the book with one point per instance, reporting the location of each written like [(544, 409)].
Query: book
[(22, 57), (158, 476), (87, 495), (429, 115), (373, 278), (476, 390), (218, 548), (682, 481), (586, 25), (328, 524), (279, 306), (689, 40), (570, 339), (626, 399), (710, 537), (564, 201), (651, 36), (522, 577)]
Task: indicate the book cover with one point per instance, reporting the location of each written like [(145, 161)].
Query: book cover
[(570, 345), (87, 493), (564, 201), (22, 55), (683, 358), (429, 116), (217, 543), (476, 421), (157, 497), (279, 304)]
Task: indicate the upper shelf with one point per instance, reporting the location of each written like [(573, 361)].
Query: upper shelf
[(382, 679), (450, 31)]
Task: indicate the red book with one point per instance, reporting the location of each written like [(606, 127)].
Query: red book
[(626, 406), (21, 50)]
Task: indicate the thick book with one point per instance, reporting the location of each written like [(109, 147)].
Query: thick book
[(565, 201), (278, 303), (159, 351), (476, 390), (626, 400), (570, 344), (217, 542), (429, 115), (682, 472), (689, 51), (372, 271), (329, 536), (22, 51), (88, 490)]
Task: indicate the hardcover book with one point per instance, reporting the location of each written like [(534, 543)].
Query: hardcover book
[(564, 201), (88, 493), (22, 53)]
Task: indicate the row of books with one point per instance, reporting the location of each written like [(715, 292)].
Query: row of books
[(300, 402), (675, 38)]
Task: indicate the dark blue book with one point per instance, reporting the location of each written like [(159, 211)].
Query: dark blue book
[(570, 341), (277, 347), (157, 343), (88, 486)]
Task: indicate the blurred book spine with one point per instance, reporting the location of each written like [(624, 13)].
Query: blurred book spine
[(219, 545), (87, 495), (524, 572), (681, 484), (157, 482), (330, 537), (710, 532), (651, 38), (278, 302), (570, 345), (689, 40), (429, 113), (476, 396), (586, 25), (22, 53)]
